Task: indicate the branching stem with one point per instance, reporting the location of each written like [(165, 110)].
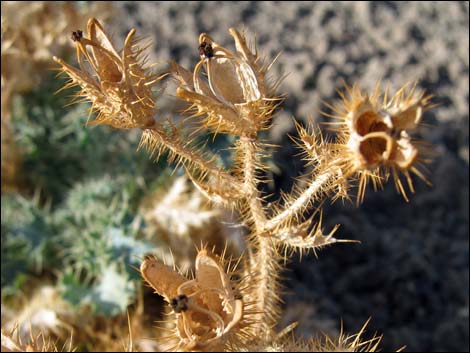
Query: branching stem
[(186, 155), (264, 265), (301, 202)]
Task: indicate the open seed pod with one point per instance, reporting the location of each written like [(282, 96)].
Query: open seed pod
[(234, 97), (119, 86), (374, 139), (209, 313)]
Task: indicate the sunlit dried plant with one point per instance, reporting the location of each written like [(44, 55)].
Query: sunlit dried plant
[(11, 342), (374, 133), (230, 93), (34, 30), (31, 32), (209, 309), (119, 86), (178, 217), (44, 313)]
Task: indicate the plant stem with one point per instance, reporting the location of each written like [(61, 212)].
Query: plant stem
[(155, 140), (264, 265), (302, 201)]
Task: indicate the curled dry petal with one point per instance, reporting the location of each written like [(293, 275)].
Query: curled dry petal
[(164, 279), (405, 153)]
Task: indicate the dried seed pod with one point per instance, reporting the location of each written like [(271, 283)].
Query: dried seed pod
[(235, 98), (374, 135), (119, 86), (208, 312)]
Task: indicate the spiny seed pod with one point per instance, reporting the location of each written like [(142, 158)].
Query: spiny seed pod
[(235, 98), (118, 86), (375, 135), (209, 314)]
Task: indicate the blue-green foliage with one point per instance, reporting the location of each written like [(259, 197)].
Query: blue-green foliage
[(59, 150), (92, 180), (109, 295), (28, 234), (103, 245)]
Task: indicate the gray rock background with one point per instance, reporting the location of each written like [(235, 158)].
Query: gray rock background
[(411, 271)]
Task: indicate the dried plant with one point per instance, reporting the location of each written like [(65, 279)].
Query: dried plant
[(31, 32), (178, 217), (226, 307), (46, 322), (11, 342), (39, 326), (44, 313)]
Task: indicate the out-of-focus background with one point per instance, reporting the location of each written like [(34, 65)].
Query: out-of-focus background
[(79, 205)]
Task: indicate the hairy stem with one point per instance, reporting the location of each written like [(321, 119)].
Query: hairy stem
[(292, 209), (250, 161), (264, 264), (157, 141)]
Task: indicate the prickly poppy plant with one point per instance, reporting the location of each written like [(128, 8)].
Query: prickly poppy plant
[(235, 304)]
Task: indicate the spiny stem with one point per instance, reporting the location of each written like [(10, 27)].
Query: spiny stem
[(264, 265), (185, 154), (250, 181), (315, 187)]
